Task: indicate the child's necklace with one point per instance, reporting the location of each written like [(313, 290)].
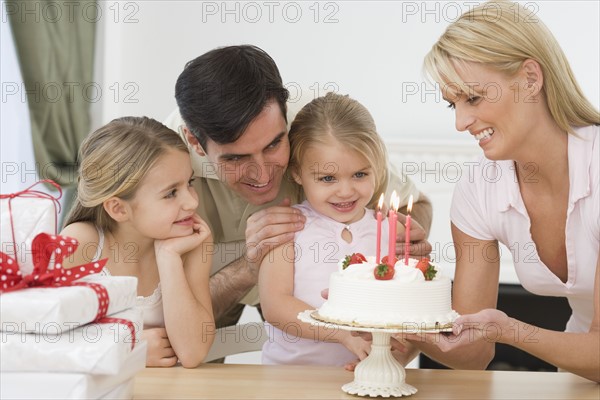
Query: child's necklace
[(347, 234)]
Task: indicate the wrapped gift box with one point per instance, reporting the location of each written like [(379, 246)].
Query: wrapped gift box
[(122, 392), (53, 385), (31, 212), (59, 309), (96, 348)]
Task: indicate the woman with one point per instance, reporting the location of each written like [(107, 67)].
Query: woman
[(535, 189)]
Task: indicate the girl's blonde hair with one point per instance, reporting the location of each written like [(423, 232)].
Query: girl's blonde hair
[(114, 160), (502, 35), (347, 121)]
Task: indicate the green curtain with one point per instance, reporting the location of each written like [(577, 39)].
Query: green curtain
[(55, 47)]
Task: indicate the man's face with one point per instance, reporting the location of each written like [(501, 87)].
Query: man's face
[(253, 166)]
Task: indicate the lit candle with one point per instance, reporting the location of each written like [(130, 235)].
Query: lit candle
[(392, 220), (407, 231), (379, 218)]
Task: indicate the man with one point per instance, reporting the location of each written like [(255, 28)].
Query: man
[(232, 114)]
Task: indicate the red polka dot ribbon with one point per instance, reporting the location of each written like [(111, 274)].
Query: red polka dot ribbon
[(102, 293), (126, 322), (43, 247)]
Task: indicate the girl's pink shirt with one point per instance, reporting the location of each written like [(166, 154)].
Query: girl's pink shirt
[(319, 247)]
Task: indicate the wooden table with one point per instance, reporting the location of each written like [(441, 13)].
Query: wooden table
[(213, 381)]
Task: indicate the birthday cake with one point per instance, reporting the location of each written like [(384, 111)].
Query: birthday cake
[(365, 294)]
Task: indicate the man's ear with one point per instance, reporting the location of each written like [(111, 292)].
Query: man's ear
[(116, 208), (534, 75), (193, 142)]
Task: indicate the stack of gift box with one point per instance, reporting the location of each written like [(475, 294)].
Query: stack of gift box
[(65, 333)]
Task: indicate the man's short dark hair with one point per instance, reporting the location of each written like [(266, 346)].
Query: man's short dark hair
[(221, 92)]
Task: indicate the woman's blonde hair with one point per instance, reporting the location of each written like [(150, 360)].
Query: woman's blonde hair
[(114, 160), (350, 123), (502, 35)]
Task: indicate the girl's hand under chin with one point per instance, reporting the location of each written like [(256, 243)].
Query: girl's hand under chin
[(184, 244)]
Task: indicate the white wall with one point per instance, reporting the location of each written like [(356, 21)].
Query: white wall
[(372, 50)]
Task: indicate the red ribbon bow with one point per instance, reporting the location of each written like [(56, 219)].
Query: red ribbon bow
[(43, 246)]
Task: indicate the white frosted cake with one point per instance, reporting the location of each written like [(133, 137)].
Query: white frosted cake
[(407, 300)]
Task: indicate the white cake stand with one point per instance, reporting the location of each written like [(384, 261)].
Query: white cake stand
[(380, 374)]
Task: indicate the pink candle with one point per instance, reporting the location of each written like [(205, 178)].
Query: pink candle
[(407, 231), (379, 219), (392, 220)]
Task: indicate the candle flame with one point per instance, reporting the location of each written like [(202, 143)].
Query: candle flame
[(410, 203), (380, 203), (395, 201)]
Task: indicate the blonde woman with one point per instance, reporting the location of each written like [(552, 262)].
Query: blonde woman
[(535, 188), (136, 207)]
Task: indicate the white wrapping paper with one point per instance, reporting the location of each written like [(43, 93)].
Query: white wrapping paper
[(96, 348), (122, 392), (40, 385), (30, 216), (57, 310)]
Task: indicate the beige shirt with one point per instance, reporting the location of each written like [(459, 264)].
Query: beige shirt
[(226, 212)]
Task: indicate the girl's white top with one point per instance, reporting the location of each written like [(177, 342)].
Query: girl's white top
[(151, 306), (318, 248)]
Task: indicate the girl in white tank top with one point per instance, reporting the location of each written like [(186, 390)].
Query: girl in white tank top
[(136, 206)]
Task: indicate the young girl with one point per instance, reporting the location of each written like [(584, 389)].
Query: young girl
[(136, 206), (340, 162)]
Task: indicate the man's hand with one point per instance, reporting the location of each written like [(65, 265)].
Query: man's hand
[(265, 230), (270, 228), (419, 246)]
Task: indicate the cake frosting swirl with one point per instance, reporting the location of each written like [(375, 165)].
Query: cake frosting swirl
[(405, 301)]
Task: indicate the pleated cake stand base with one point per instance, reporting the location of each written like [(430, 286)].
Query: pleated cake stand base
[(380, 374)]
